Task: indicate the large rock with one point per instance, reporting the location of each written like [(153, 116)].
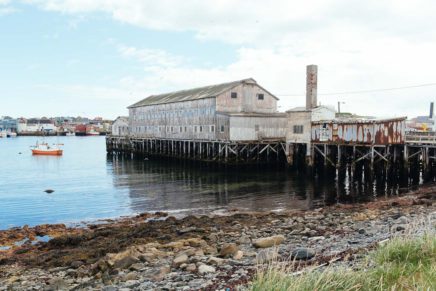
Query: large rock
[(238, 255), (58, 284), (302, 254), (125, 262), (204, 269), (228, 250), (123, 259), (244, 239), (402, 220), (398, 227), (191, 268), (181, 259), (157, 274), (267, 242), (215, 261)]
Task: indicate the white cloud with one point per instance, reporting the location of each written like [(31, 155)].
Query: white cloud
[(357, 44), (150, 57), (258, 21)]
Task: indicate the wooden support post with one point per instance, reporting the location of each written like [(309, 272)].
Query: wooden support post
[(406, 155), (325, 155)]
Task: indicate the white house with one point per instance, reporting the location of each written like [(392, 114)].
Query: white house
[(120, 127)]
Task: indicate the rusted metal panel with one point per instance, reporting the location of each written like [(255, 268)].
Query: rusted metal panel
[(368, 132)]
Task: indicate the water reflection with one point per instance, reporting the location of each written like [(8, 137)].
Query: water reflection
[(180, 186), (186, 186)]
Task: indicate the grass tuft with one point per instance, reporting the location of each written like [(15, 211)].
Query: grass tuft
[(401, 264)]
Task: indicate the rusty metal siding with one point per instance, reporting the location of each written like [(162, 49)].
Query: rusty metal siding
[(371, 132)]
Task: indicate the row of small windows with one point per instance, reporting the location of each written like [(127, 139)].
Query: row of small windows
[(178, 129), (173, 113), (260, 96)]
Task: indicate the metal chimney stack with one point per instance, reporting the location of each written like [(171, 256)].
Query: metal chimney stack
[(431, 110), (311, 86)]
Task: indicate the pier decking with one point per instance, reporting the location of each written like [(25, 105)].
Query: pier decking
[(211, 151), (415, 154)]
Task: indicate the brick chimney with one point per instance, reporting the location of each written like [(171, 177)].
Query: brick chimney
[(311, 86)]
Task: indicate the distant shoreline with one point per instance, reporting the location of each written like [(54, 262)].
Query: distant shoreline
[(57, 134)]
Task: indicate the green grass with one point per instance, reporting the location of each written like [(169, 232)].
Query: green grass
[(401, 264)]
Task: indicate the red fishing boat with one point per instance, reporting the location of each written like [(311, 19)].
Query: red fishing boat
[(46, 149)]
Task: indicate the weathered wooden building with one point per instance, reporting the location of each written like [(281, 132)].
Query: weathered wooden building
[(236, 121), (235, 111)]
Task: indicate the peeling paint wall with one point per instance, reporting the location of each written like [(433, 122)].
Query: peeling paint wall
[(382, 132)]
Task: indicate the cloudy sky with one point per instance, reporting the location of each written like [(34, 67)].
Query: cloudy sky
[(96, 57)]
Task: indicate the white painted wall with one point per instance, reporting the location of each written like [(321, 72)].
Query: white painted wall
[(250, 128), (298, 118), (323, 113)]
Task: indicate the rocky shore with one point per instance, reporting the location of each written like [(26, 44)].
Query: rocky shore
[(157, 251)]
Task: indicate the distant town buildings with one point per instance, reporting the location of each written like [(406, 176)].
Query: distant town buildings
[(8, 124), (54, 125)]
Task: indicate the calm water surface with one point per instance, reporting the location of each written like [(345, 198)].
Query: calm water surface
[(90, 185)]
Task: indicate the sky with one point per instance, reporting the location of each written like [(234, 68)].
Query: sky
[(96, 57)]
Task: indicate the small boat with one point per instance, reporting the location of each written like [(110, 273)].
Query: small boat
[(69, 133), (92, 132), (3, 134), (46, 149), (12, 134)]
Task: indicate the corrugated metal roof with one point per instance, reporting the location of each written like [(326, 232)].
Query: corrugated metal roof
[(360, 121), (191, 94), (298, 109), (253, 114), (303, 109)]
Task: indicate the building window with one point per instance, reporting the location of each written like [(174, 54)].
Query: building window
[(298, 129), (201, 128), (234, 95), (186, 128), (172, 129), (195, 128), (181, 129), (222, 128), (260, 96), (212, 128)]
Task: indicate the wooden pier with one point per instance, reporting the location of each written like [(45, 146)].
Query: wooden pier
[(266, 151), (414, 157)]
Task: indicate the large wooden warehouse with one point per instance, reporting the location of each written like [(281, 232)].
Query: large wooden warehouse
[(235, 111)]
